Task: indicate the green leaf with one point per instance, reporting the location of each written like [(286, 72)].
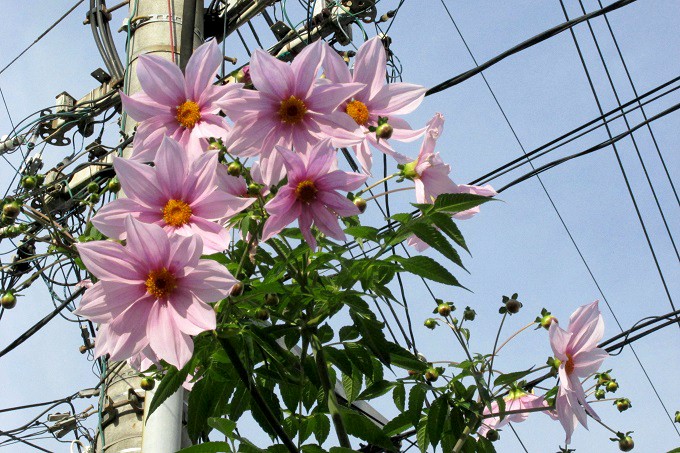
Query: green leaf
[(360, 357), (363, 232), (363, 428), (223, 425), (432, 237), (209, 447), (206, 396), (436, 418), (372, 335), (273, 402), (352, 384), (403, 358), (421, 436), (170, 383), (398, 424), (376, 389), (339, 359), (509, 378), (399, 396), (322, 428), (446, 224), (426, 267), (416, 400), (458, 202)]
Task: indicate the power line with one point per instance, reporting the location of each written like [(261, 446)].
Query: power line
[(42, 35)]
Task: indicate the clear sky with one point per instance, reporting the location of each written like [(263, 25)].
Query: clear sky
[(518, 245)]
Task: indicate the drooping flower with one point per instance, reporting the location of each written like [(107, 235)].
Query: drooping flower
[(376, 99), (177, 194), (576, 349), (516, 400), (311, 195), (154, 292), (184, 107), (431, 175), (291, 108)]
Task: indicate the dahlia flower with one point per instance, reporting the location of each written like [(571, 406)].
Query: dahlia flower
[(177, 194), (151, 293), (376, 99), (431, 175), (182, 106), (311, 195), (516, 400), (576, 349), (291, 108)]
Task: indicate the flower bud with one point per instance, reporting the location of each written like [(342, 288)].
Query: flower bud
[(612, 386), (94, 198), (262, 314), (271, 299), (93, 187), (626, 443), (469, 314), (11, 209), (431, 374), (147, 383), (430, 323), (677, 416), (444, 309), (237, 289), (513, 306), (113, 185), (29, 182), (622, 404), (384, 131), (547, 320), (599, 394), (493, 435), (8, 300), (360, 203), (234, 169)]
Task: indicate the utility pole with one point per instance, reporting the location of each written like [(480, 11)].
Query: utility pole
[(155, 27)]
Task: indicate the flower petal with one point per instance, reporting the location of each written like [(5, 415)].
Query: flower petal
[(108, 260), (201, 69), (148, 244), (271, 75), (166, 339), (161, 80)]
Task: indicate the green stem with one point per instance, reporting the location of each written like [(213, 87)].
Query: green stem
[(333, 406), (387, 178), (461, 440), (495, 344), (256, 395)]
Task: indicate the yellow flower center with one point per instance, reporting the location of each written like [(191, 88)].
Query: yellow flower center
[(188, 114), (306, 191), (358, 111), (569, 366), (292, 110), (176, 213), (160, 283)]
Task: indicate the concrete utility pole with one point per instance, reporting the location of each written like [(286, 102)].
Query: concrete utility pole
[(155, 28)]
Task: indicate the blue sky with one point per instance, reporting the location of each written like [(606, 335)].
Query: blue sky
[(517, 245)]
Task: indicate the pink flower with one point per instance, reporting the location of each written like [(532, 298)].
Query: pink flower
[(178, 195), (311, 195), (184, 108), (151, 293), (291, 108), (580, 357), (376, 99), (431, 175), (516, 400)]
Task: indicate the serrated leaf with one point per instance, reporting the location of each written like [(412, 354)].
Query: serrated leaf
[(376, 389), (359, 357), (458, 202), (416, 399), (205, 397), (363, 232), (509, 378), (432, 237), (360, 426), (399, 396), (446, 224), (421, 435), (398, 424), (372, 336), (436, 418), (405, 359), (352, 384), (322, 428), (426, 267), (170, 383), (339, 359), (223, 425)]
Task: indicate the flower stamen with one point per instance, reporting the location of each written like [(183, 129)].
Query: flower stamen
[(176, 213), (188, 114), (358, 111), (160, 283), (569, 366), (292, 110), (306, 191)]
